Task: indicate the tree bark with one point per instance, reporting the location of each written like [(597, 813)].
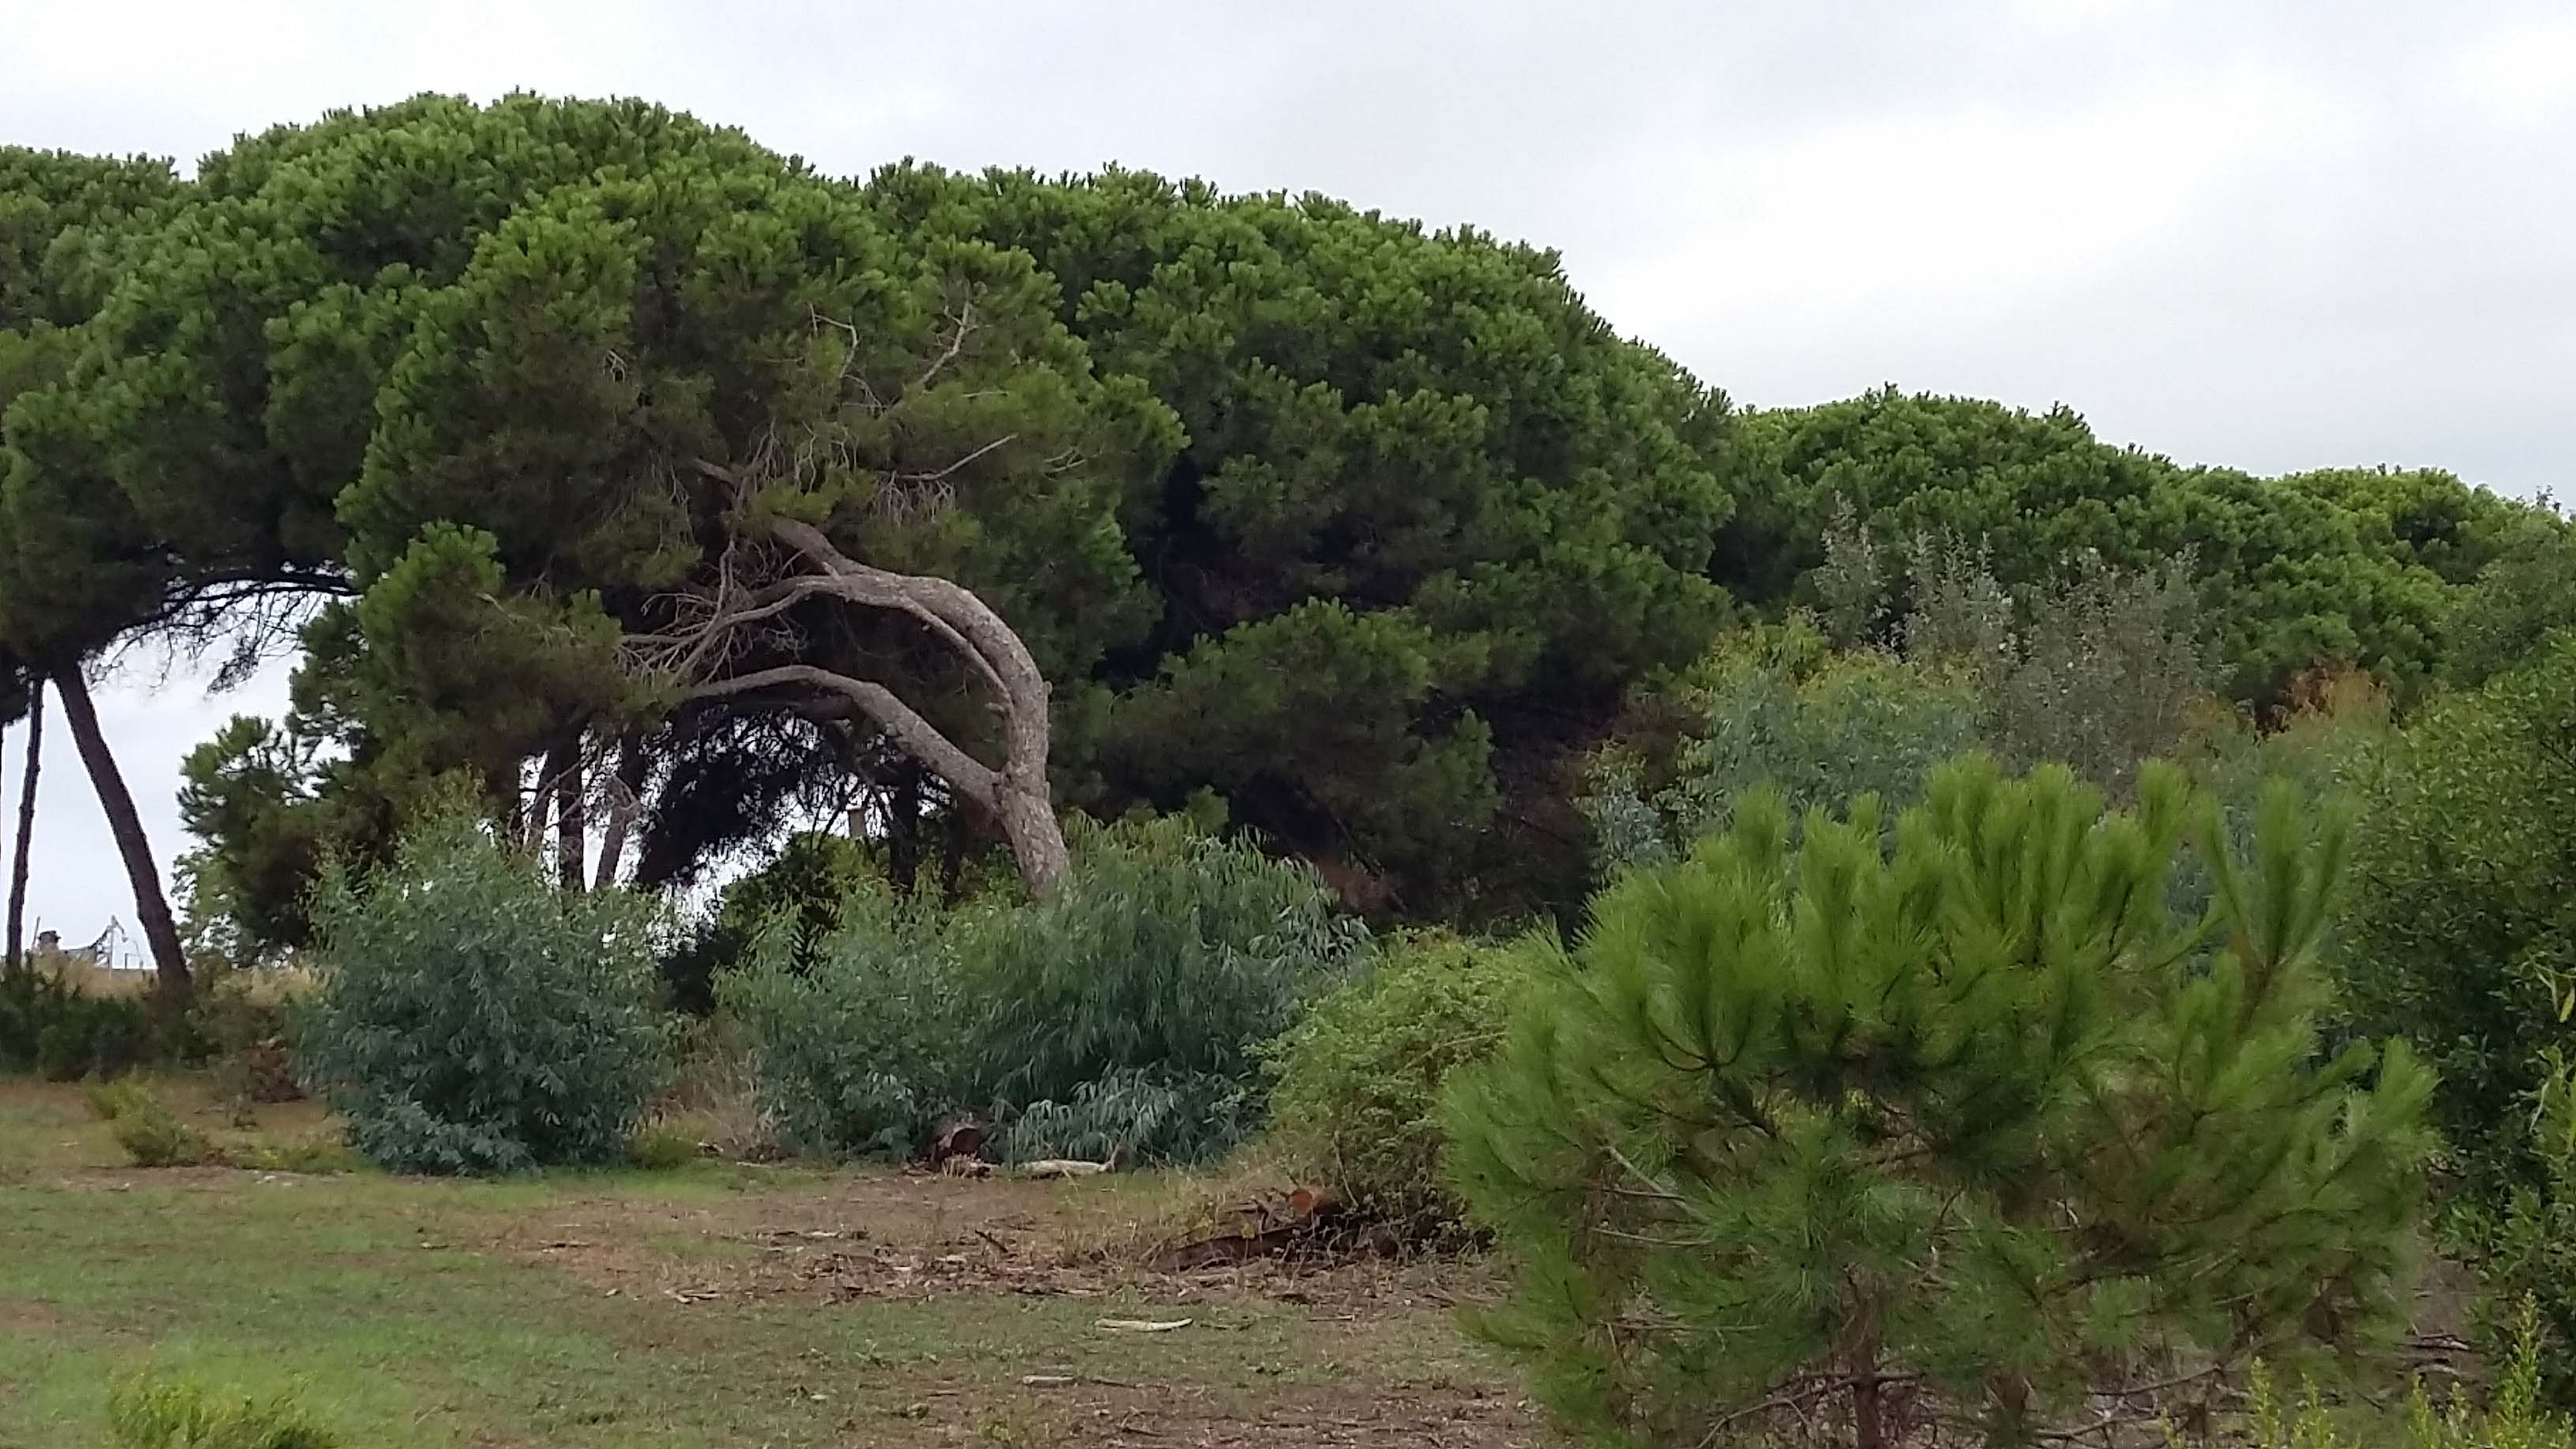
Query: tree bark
[(1869, 1409), (151, 907), (626, 796), (572, 814), (26, 824)]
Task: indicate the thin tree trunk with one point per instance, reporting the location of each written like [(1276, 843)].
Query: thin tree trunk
[(151, 907), (26, 824), (626, 796), (1869, 1407), (514, 806), (903, 830), (572, 814), (952, 853)]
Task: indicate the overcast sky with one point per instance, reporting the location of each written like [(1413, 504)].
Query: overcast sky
[(2271, 233)]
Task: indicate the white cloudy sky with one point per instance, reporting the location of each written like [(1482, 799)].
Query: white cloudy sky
[(2274, 233)]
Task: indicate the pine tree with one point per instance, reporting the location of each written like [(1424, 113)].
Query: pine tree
[(1963, 1127)]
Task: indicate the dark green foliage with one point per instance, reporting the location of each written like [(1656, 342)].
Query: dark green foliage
[(1355, 1101), (78, 1036), (1123, 1013), (58, 211), (1233, 441), (2523, 1239), (2463, 935), (803, 891), (248, 794), (800, 896), (1362, 527), (861, 1052), (489, 356), (690, 965), (165, 1412), (471, 1019), (1131, 1114), (1974, 1107), (2516, 602), (1431, 515), (1174, 954)]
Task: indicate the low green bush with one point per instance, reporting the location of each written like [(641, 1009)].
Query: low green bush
[(142, 1124), (861, 1053), (1129, 1113), (1355, 1105), (1775, 706), (472, 1019), (164, 1412), (66, 1035), (1152, 978), (1121, 1016), (316, 1155), (246, 1035), (659, 1147)]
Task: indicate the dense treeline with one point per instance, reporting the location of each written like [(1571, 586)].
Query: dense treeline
[(1364, 531), (2040, 902)]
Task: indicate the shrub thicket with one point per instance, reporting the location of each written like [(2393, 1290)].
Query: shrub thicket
[(48, 1025), (2099, 668), (473, 1019), (860, 1052), (2522, 1237), (796, 902), (1120, 1015), (2463, 929), (1955, 1127), (1778, 707), (1356, 1102)]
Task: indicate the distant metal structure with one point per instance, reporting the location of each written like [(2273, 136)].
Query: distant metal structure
[(114, 950)]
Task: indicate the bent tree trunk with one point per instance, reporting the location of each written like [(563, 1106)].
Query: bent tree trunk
[(1015, 795), (26, 824), (151, 908)]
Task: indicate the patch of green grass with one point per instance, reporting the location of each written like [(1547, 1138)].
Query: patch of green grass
[(416, 1312), (163, 1411)]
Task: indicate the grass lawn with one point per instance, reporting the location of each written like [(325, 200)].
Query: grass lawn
[(714, 1305)]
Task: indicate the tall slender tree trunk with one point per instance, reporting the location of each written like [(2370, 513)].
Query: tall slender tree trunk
[(572, 813), (511, 800), (151, 907), (625, 797), (26, 824)]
